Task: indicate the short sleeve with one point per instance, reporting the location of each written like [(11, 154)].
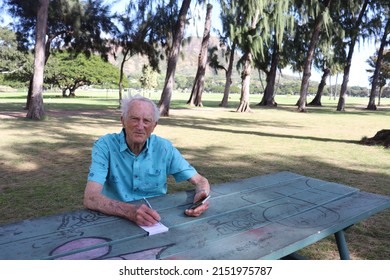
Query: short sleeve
[(100, 162), (180, 167)]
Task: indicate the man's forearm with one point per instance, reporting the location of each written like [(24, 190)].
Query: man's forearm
[(201, 184), (94, 200)]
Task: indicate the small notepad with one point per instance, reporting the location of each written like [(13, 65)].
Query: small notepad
[(155, 229)]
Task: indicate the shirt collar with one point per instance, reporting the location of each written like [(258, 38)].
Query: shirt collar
[(123, 145)]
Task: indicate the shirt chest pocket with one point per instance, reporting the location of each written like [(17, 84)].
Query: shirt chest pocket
[(154, 178)]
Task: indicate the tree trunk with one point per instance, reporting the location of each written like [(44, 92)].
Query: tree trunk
[(308, 60), (173, 57), (347, 68), (246, 74), (47, 54), (269, 92), (121, 76), (245, 77), (378, 65), (197, 89), (36, 110), (379, 95), (229, 72), (317, 99), (72, 91), (29, 93), (335, 87)]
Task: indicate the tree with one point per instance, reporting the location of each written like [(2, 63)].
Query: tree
[(229, 17), (138, 35), (354, 36), (70, 71), (330, 54), (261, 26), (197, 89), (246, 34), (383, 76), (36, 109), (281, 22), (378, 64), (71, 23), (11, 59), (318, 25), (173, 57), (149, 77)]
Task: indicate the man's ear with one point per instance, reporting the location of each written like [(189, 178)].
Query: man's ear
[(122, 121)]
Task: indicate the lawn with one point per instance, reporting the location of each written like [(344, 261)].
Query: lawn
[(44, 164)]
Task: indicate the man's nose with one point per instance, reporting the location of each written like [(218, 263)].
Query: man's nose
[(140, 123)]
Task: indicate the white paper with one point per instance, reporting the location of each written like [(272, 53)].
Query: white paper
[(155, 229)]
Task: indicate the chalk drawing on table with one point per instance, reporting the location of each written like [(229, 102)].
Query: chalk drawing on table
[(100, 249), (74, 221), (296, 215), (236, 224)]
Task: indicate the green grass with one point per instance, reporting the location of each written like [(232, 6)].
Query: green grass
[(44, 164)]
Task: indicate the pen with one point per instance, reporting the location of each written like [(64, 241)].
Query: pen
[(147, 202), (150, 206)]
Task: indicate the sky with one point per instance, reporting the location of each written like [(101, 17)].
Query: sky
[(358, 75)]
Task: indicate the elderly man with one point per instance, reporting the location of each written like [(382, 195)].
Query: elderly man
[(133, 164)]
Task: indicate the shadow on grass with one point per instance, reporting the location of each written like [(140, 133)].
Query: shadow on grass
[(331, 109), (212, 125)]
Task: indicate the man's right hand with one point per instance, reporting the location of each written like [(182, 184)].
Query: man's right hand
[(145, 216)]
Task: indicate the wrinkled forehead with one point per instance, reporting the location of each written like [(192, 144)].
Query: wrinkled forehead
[(140, 108)]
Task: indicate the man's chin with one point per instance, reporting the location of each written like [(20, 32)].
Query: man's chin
[(139, 140)]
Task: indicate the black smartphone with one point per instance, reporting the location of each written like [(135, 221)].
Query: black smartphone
[(200, 202)]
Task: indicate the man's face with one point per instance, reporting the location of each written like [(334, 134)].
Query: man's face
[(138, 123)]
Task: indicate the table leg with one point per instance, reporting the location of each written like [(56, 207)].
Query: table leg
[(342, 245)]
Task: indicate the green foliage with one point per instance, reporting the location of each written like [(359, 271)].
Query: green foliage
[(149, 79), (69, 71), (15, 65), (71, 23)]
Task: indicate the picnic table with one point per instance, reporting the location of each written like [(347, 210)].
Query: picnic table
[(264, 217)]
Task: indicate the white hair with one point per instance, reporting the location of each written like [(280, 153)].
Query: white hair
[(128, 100)]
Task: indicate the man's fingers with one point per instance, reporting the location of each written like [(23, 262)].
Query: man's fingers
[(147, 216), (198, 210)]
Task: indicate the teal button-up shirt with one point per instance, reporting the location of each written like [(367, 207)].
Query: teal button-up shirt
[(126, 177)]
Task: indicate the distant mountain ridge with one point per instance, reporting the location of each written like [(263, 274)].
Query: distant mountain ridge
[(188, 63)]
